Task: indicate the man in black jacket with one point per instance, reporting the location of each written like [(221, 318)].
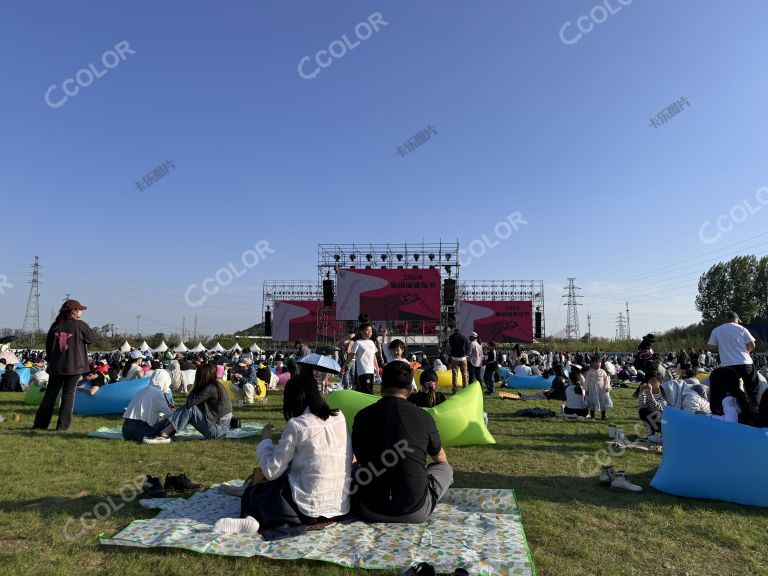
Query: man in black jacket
[(459, 345), (10, 382)]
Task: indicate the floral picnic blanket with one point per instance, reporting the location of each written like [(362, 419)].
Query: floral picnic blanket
[(246, 430), (479, 530)]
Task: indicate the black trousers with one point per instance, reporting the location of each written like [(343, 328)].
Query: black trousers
[(748, 375), (474, 372), (65, 384), (651, 418), (364, 383)]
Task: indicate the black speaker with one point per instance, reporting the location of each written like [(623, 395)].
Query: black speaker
[(268, 323), (449, 292), (327, 292), (537, 324)]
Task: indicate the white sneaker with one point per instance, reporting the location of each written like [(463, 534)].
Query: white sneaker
[(247, 525), (156, 440), (620, 482)]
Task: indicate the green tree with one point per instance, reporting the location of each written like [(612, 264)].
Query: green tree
[(738, 285)]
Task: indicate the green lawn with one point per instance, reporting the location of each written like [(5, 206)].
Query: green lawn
[(573, 525)]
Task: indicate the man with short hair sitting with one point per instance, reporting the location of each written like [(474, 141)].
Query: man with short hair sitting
[(391, 441)]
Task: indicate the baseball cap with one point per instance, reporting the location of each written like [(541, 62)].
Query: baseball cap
[(473, 335), (135, 354)]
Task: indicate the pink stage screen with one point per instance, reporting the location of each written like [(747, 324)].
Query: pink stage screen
[(297, 320), (509, 321), (388, 294)]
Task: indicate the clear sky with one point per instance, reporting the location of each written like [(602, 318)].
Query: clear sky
[(529, 113)]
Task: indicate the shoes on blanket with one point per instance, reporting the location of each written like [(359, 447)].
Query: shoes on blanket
[(152, 488), (247, 525), (181, 483)]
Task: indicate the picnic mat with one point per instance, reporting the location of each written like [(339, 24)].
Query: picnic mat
[(479, 530), (246, 430)]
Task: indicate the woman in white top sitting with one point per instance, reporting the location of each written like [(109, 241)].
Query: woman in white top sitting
[(308, 472), (147, 407), (727, 398), (575, 397), (438, 366)]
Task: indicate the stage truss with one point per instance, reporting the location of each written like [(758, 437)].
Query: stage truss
[(500, 290), (443, 256), (274, 290)]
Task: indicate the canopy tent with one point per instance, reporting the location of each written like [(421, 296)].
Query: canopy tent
[(235, 347), (181, 348), (199, 348), (162, 347), (10, 357), (144, 346), (217, 348), (255, 348), (125, 347)]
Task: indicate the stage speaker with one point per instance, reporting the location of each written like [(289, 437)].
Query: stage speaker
[(449, 292), (327, 292), (268, 323), (537, 325)]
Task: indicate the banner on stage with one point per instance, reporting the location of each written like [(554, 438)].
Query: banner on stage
[(389, 294), (297, 320), (498, 321)]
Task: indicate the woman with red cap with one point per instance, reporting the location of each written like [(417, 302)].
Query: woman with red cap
[(66, 349)]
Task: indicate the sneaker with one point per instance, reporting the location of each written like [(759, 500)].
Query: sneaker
[(181, 483), (607, 474), (420, 569), (620, 482), (611, 431), (152, 488), (156, 440)]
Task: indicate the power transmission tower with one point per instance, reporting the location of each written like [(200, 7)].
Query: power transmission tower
[(138, 327), (629, 336), (194, 336), (183, 327), (589, 328), (572, 324), (620, 328), (32, 316)]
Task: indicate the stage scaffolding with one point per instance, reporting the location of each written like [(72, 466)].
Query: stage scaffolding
[(496, 290), (274, 290), (443, 256)]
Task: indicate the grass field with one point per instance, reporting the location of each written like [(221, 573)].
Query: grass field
[(573, 525)]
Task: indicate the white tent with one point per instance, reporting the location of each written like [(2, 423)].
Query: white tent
[(235, 347), (162, 347), (217, 348), (181, 348), (144, 346), (199, 348), (125, 347), (255, 348)]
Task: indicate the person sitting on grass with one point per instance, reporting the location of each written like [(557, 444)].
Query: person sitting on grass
[(208, 409), (148, 407), (428, 397), (728, 400), (556, 390), (10, 381), (133, 368), (650, 404), (575, 396), (307, 473), (393, 437), (91, 382)]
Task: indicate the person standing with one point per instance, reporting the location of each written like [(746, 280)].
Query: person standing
[(475, 357), (491, 368), (459, 346), (66, 348), (363, 354), (735, 344)]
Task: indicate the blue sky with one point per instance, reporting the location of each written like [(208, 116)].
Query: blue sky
[(524, 122)]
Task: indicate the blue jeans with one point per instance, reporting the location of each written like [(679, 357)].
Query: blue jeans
[(194, 416)]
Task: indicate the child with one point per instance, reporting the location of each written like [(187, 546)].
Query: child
[(428, 396), (575, 402), (397, 351), (650, 403), (363, 354), (598, 386)]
